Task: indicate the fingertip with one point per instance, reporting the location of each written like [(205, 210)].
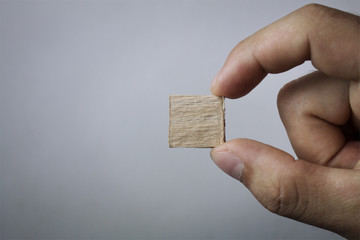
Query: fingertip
[(227, 161), (236, 79), (233, 156)]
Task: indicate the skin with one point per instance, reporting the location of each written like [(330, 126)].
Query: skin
[(320, 112)]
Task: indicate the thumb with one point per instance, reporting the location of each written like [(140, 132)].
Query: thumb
[(321, 196)]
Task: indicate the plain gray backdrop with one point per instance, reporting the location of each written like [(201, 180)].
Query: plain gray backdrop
[(84, 89)]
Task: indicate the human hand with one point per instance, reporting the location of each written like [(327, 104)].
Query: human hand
[(321, 114)]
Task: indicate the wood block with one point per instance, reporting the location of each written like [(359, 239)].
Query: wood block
[(196, 121)]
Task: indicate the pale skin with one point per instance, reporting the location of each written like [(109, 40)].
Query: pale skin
[(320, 112)]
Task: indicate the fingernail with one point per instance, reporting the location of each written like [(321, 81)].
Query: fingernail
[(229, 163), (214, 81)]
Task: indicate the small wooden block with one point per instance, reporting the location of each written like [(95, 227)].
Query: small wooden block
[(196, 121)]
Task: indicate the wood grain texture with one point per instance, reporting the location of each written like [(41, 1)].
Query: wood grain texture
[(196, 121)]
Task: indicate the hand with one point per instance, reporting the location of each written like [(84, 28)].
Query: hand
[(321, 114)]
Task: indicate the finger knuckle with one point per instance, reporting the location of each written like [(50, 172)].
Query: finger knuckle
[(313, 10), (288, 199), (288, 97), (280, 202)]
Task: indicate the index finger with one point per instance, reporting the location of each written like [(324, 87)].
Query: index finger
[(326, 36)]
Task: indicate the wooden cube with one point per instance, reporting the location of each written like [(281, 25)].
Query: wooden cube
[(196, 121)]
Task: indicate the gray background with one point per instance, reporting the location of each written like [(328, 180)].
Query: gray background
[(84, 89)]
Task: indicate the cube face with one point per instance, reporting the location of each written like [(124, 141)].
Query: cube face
[(196, 121)]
